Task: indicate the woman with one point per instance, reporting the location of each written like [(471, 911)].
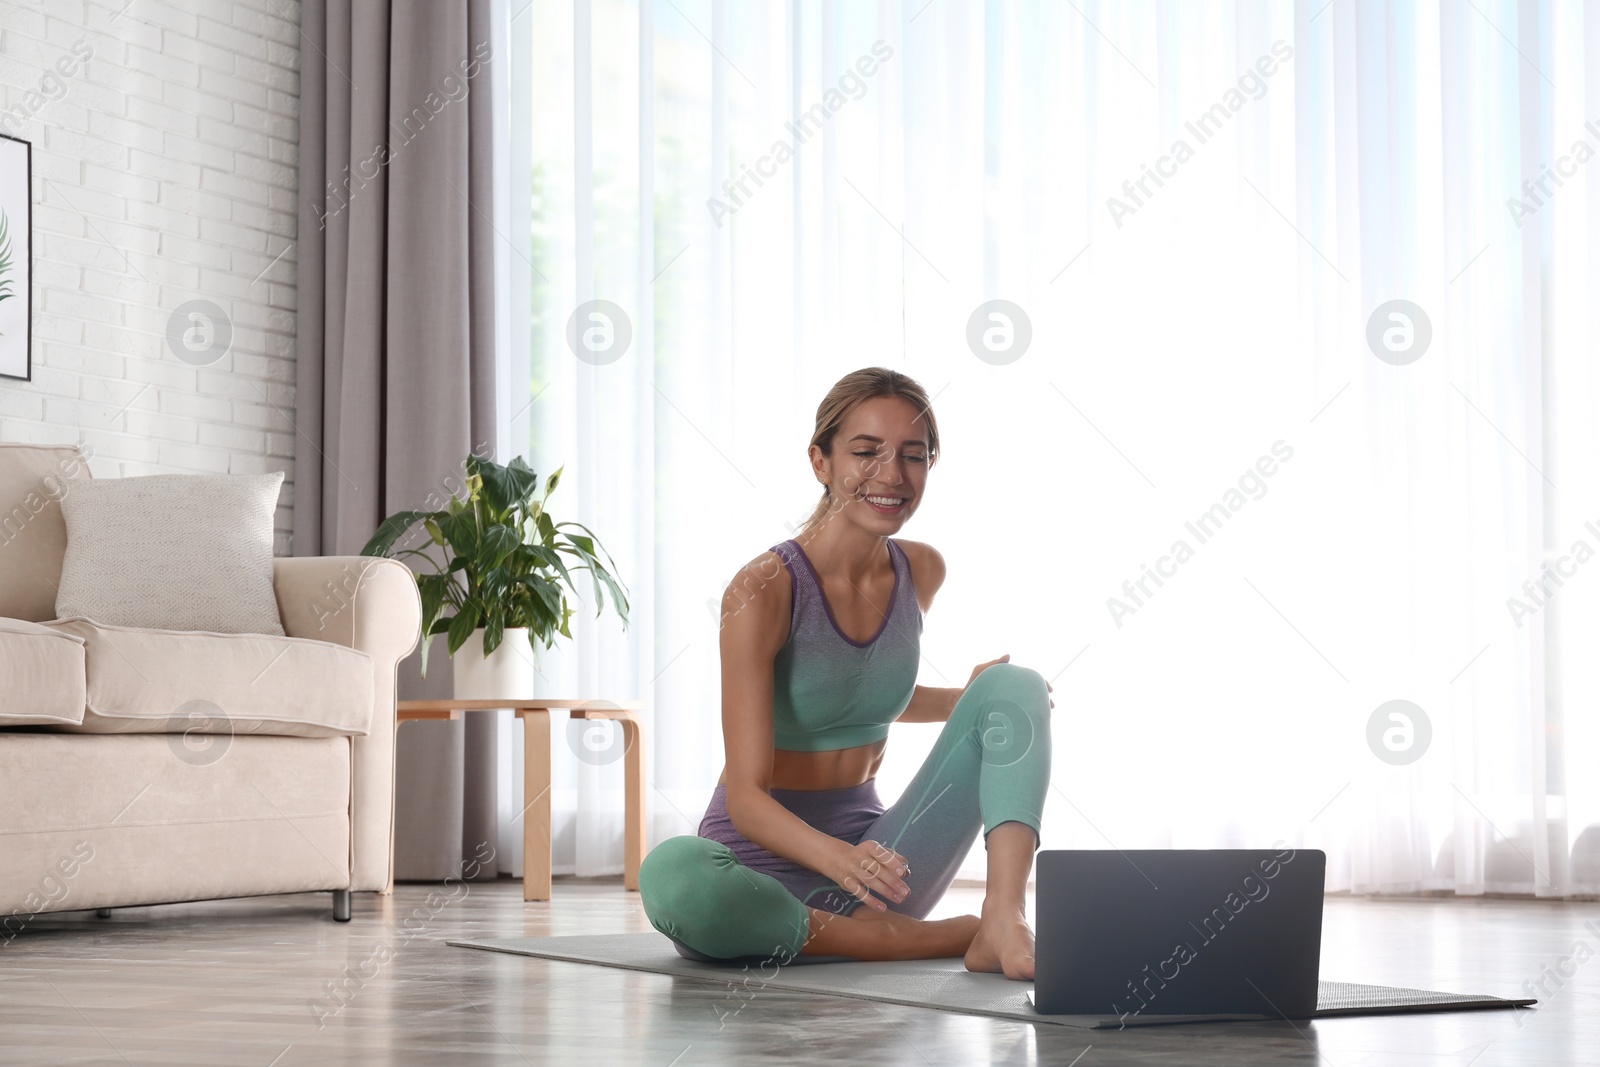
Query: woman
[(820, 649)]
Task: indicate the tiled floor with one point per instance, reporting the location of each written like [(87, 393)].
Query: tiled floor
[(273, 982)]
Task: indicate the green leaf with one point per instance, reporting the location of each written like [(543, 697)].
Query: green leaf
[(438, 626), (498, 543), (540, 603), (498, 489), (434, 589), (619, 601), (590, 564), (554, 480), (392, 529), (551, 558), (461, 530), (494, 631), (461, 627), (591, 540), (547, 592), (583, 547), (490, 585), (523, 481)]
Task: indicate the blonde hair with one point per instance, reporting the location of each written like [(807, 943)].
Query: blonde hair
[(846, 394)]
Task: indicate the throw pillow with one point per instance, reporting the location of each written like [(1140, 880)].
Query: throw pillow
[(172, 552)]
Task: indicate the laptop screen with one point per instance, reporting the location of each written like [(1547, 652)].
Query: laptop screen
[(1178, 931)]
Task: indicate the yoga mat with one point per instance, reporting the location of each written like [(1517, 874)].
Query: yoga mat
[(943, 984)]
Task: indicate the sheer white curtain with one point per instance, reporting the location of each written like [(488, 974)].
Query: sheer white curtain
[(1217, 499)]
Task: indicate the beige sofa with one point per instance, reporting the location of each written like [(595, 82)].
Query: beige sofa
[(146, 767)]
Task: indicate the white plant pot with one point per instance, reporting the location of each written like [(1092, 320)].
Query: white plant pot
[(506, 672)]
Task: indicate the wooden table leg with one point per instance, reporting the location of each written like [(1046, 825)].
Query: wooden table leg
[(536, 806), (633, 843)]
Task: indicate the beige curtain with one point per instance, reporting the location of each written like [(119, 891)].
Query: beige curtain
[(395, 372)]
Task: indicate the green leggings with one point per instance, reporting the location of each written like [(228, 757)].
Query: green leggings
[(719, 896)]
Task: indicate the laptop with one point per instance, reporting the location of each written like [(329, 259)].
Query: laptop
[(1145, 932)]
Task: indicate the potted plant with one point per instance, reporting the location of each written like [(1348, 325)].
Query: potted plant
[(500, 580)]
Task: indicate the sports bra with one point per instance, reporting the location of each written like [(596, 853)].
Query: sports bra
[(829, 692)]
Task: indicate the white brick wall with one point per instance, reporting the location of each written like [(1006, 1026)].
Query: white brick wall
[(164, 170)]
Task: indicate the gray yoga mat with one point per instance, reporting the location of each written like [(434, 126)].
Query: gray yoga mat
[(943, 984)]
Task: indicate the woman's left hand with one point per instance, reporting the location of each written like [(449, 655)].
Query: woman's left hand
[(980, 668)]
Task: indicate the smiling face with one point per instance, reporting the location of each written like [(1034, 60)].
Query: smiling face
[(879, 464)]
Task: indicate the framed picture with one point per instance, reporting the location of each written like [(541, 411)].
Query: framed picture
[(16, 258)]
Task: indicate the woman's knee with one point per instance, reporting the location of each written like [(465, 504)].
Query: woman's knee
[(1010, 684), (673, 880), (1009, 709), (697, 892)]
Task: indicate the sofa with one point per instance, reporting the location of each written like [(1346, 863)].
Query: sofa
[(142, 766)]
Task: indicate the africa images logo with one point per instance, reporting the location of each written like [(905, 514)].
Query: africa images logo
[(1136, 192), (1252, 889), (1203, 528)]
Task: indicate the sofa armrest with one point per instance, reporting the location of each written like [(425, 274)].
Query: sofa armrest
[(364, 602), (370, 604)]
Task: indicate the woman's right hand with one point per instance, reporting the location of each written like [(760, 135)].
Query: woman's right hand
[(870, 867)]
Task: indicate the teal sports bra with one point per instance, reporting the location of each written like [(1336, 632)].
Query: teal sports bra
[(829, 692)]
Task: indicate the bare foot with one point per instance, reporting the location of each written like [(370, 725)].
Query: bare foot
[(869, 934), (1003, 944)]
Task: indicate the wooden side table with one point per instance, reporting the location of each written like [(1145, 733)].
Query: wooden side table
[(535, 716)]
